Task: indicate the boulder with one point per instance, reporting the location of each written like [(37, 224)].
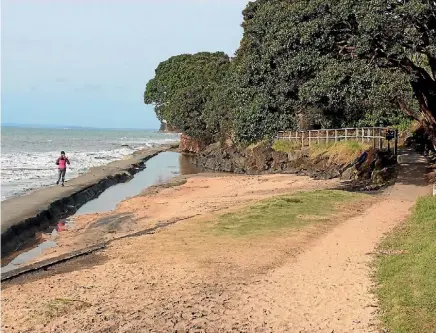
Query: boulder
[(349, 173), (379, 177), (279, 160), (258, 158)]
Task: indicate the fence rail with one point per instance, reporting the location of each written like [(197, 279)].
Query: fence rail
[(374, 135)]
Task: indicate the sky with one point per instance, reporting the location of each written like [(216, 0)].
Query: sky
[(86, 62)]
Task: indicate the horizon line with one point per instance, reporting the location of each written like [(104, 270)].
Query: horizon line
[(20, 125)]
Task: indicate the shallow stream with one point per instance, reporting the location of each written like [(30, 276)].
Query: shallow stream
[(159, 169)]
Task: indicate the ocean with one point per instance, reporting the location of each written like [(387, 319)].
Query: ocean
[(28, 155)]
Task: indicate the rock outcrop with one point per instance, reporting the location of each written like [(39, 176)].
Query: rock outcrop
[(263, 159), (190, 145)]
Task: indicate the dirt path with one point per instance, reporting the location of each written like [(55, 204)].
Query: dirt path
[(326, 288), (186, 279)]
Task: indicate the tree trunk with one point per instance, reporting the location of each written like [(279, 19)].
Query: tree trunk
[(424, 87)]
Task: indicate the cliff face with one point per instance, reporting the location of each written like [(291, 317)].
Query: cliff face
[(378, 168), (190, 145)]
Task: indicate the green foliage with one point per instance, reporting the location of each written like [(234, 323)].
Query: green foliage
[(296, 59), (406, 272), (185, 90), (305, 62), (218, 111), (404, 126), (401, 36)]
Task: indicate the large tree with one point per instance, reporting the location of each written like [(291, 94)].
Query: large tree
[(399, 35), (185, 90), (342, 62)]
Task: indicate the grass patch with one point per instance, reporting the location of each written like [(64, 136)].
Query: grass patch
[(339, 152), (407, 275), (285, 146), (59, 306), (291, 211)]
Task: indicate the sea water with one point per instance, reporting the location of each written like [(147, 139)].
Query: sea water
[(28, 155)]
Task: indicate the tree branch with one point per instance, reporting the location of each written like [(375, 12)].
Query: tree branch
[(432, 64)]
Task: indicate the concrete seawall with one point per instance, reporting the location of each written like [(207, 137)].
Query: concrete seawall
[(23, 216)]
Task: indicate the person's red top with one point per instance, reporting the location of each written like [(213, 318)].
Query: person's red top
[(62, 162)]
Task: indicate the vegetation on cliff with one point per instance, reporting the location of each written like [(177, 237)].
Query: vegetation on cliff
[(307, 62), (342, 152)]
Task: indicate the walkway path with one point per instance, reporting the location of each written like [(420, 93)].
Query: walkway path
[(327, 287)]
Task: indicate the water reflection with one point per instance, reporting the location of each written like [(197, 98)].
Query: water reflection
[(27, 255), (159, 169)]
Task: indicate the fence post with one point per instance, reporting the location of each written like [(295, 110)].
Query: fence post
[(346, 135), (373, 138), (380, 140), (336, 135), (327, 137), (309, 138), (318, 136)]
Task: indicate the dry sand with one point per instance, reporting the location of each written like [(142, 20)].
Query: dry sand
[(187, 279)]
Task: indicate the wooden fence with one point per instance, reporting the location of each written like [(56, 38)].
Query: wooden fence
[(374, 135)]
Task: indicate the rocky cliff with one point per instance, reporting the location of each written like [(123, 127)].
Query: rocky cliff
[(190, 145), (263, 159)]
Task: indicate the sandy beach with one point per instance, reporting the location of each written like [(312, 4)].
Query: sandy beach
[(194, 276), (197, 196)]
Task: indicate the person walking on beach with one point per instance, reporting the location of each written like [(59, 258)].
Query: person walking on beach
[(62, 162)]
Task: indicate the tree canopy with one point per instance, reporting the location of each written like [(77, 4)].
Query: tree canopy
[(336, 63), (295, 60), (185, 92)]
